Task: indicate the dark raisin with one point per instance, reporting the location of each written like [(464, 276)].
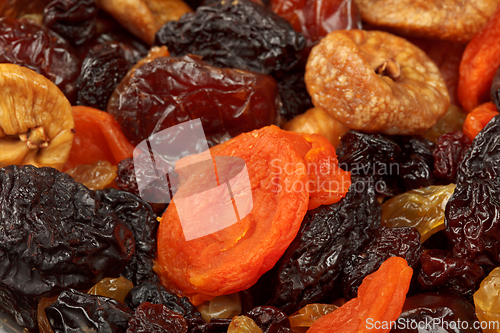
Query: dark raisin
[(79, 312), (293, 92), (448, 154), (75, 20), (270, 319), (156, 318), (21, 309), (328, 236), (440, 271), (395, 163), (102, 69), (495, 89), (27, 44), (235, 34), (168, 91), (387, 242), (139, 218), (56, 234), (432, 312)]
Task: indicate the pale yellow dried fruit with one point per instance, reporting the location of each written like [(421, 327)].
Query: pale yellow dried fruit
[(243, 324), (452, 121), (224, 307), (36, 121), (376, 82), (95, 176), (453, 20), (317, 121), (144, 18)]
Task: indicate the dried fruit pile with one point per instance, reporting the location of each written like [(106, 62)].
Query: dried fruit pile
[(346, 179)]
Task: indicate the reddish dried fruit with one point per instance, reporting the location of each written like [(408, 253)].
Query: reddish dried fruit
[(376, 82)]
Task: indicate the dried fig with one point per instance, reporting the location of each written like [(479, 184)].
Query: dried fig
[(376, 82), (453, 20), (144, 18), (36, 121)]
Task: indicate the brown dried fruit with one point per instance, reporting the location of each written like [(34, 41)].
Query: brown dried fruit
[(317, 121), (453, 20), (453, 120), (36, 120), (144, 18), (376, 82)]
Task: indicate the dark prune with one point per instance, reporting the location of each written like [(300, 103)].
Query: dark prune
[(27, 44), (74, 20), (449, 152), (434, 312), (270, 319), (139, 218), (328, 236), (79, 312), (102, 69), (293, 92), (388, 242), (440, 271), (495, 89), (168, 91), (156, 318), (395, 163), (56, 234), (18, 307), (235, 34)]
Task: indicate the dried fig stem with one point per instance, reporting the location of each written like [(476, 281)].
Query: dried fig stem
[(389, 68), (35, 138)]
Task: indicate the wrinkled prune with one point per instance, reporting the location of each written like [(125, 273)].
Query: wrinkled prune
[(328, 236), (402, 242), (396, 163), (449, 152), (102, 69), (18, 307), (74, 20), (169, 90), (56, 234), (78, 312), (236, 34), (293, 92), (434, 312), (441, 271), (156, 318), (495, 89), (138, 217), (270, 319), (27, 44)]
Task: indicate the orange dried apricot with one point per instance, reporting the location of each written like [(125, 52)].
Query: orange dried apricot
[(478, 118)]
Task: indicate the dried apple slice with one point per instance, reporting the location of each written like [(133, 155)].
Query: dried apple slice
[(36, 121)]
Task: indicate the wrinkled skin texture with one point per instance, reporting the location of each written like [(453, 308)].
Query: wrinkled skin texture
[(395, 164), (444, 308), (78, 312), (388, 242), (293, 93), (448, 154), (452, 20), (229, 102), (495, 89), (270, 320), (38, 256), (328, 236), (239, 34), (27, 44), (376, 82), (75, 20), (156, 318), (18, 307)]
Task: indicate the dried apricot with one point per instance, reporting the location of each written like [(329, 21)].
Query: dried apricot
[(376, 82), (454, 20), (478, 118)]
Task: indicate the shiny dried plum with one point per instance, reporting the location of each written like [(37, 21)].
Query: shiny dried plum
[(156, 318), (236, 34), (75, 20), (78, 312), (102, 69), (56, 233), (18, 307), (27, 44), (138, 217), (440, 271), (169, 90), (328, 236), (402, 242), (395, 163), (270, 319), (449, 152), (293, 93)]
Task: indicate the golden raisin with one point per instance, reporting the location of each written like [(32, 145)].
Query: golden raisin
[(224, 307), (303, 319), (243, 324), (487, 302), (95, 176), (453, 120), (116, 288)]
